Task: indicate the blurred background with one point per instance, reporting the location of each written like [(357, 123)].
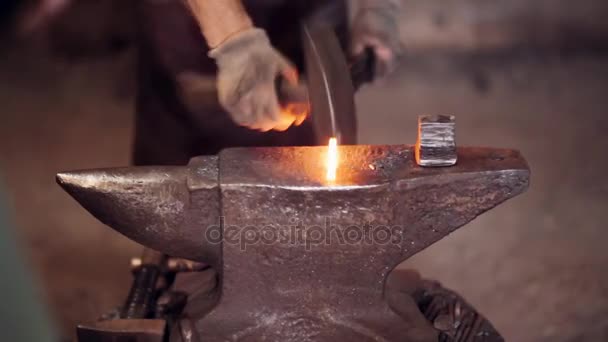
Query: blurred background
[(524, 74)]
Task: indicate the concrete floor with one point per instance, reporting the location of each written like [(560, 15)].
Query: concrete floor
[(536, 265)]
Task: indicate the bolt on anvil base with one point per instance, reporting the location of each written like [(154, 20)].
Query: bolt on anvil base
[(302, 289)]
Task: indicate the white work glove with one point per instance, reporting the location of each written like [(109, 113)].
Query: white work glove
[(248, 67), (376, 26)]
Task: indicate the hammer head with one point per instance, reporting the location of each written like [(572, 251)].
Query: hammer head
[(330, 86)]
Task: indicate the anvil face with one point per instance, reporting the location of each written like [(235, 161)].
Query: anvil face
[(304, 168), (300, 258)]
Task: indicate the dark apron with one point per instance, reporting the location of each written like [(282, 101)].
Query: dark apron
[(171, 130)]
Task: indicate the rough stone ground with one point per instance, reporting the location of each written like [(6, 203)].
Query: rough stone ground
[(536, 266)]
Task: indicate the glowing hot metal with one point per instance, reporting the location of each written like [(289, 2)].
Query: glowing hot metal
[(332, 159)]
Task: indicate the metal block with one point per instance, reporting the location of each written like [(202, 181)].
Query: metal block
[(436, 144)]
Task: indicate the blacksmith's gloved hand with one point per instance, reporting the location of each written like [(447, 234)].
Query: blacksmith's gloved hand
[(248, 67), (376, 26)]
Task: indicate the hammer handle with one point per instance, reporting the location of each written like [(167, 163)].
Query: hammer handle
[(362, 68)]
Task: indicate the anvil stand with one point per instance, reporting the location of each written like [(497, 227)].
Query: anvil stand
[(298, 258)]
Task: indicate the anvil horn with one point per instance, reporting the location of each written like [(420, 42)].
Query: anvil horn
[(154, 206)]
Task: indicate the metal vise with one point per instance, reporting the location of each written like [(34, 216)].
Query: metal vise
[(299, 258)]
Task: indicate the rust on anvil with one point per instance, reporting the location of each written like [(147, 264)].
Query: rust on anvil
[(436, 143), (307, 287)]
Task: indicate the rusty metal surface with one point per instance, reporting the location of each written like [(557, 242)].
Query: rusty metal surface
[(303, 288), (132, 330)]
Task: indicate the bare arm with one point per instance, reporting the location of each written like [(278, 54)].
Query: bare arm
[(362, 4), (219, 19)]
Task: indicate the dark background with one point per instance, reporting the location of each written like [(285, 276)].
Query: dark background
[(525, 74)]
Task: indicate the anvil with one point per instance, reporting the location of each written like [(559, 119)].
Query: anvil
[(299, 258)]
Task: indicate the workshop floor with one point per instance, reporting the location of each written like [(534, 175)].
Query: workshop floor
[(537, 266)]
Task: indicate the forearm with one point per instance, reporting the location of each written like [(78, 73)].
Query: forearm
[(219, 19), (362, 4)]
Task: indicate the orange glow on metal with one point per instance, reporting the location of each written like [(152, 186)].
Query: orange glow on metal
[(332, 159)]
